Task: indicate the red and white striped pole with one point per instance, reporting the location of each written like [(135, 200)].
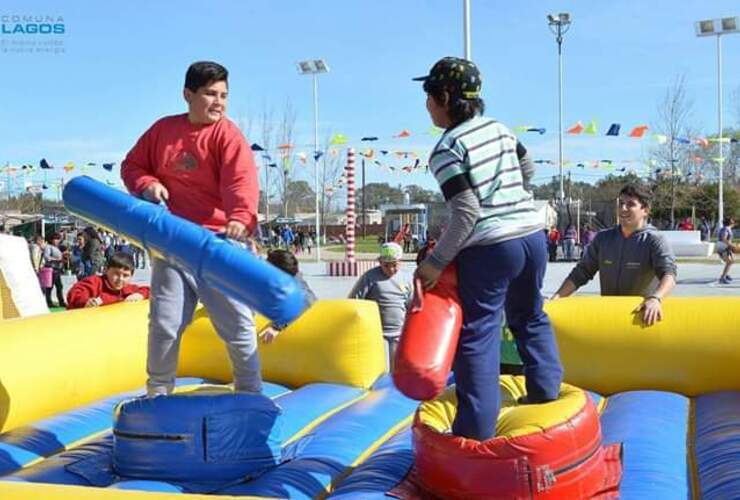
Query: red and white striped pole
[(350, 226)]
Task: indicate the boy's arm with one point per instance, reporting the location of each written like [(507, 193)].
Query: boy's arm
[(664, 264), (361, 288), (137, 171), (239, 183), (141, 290), (583, 272), (80, 293)]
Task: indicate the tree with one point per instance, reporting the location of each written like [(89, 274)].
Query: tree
[(674, 156), (285, 163), (377, 193), (418, 194), (300, 197)]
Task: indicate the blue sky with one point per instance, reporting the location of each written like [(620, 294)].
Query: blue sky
[(123, 66)]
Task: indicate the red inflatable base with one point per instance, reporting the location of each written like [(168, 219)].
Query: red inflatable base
[(565, 461)]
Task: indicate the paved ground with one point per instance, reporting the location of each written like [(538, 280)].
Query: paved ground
[(693, 279)]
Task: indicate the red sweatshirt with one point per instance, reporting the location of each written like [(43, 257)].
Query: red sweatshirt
[(97, 286), (208, 170)]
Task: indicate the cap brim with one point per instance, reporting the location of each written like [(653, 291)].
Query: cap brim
[(420, 78)]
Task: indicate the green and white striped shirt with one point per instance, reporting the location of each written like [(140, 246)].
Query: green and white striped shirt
[(480, 155)]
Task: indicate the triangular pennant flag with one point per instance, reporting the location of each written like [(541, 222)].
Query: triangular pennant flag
[(369, 138), (638, 131), (108, 166), (368, 153), (702, 141), (403, 133), (591, 128), (333, 152), (317, 155), (613, 129), (302, 157), (540, 131), (725, 140), (384, 151), (683, 140), (520, 128), (285, 147), (91, 164), (69, 166), (338, 139), (257, 147), (44, 164), (660, 138), (575, 129)]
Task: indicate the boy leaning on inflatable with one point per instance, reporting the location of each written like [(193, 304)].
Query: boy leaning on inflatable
[(632, 258)]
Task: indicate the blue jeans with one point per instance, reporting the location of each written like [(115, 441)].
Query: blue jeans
[(493, 278), (174, 295)]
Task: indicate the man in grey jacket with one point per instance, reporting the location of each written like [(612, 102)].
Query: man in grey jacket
[(632, 258)]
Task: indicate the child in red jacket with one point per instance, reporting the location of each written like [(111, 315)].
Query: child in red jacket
[(108, 288)]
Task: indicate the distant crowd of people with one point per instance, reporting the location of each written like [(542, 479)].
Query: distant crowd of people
[(82, 253)]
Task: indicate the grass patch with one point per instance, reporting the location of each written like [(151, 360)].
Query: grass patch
[(369, 244)]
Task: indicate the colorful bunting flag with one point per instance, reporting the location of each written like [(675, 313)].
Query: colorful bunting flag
[(638, 131), (613, 129), (660, 138), (338, 139), (575, 129), (403, 133), (44, 164), (257, 147), (541, 131), (591, 128)]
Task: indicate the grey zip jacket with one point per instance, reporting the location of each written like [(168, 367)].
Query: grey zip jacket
[(626, 266)]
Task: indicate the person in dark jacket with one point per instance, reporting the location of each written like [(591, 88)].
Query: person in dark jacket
[(93, 255), (632, 258)]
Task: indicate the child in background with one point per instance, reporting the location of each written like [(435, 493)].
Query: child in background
[(111, 287), (286, 261), (385, 286)]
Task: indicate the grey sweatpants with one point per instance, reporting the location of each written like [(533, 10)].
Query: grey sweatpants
[(174, 295)]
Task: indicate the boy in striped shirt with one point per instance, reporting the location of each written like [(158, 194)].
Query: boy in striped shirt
[(497, 243)]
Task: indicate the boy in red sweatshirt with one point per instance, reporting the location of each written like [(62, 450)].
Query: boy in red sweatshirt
[(201, 166), (111, 287)]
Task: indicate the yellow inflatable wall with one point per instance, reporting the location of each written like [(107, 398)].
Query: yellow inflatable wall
[(57, 362), (605, 347), (336, 341)]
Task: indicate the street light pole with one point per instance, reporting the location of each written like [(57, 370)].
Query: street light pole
[(559, 25), (719, 27), (466, 29), (316, 162), (721, 201), (313, 67)]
